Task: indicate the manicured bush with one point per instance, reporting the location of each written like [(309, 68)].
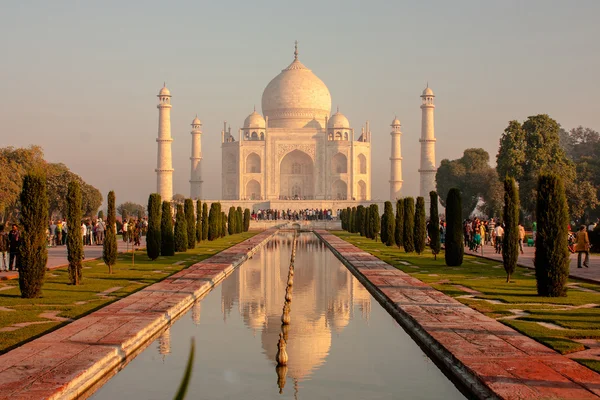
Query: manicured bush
[(167, 240), (181, 231), (205, 221), (434, 225), (390, 224), (239, 220), (551, 244), (153, 234), (190, 224), (360, 220), (454, 233), (231, 223), (420, 226), (74, 242), (343, 219), (101, 214), (223, 224), (213, 222), (353, 223), (109, 251), (399, 224), (198, 221), (33, 254), (408, 234), (349, 219), (510, 216), (375, 221), (368, 230), (247, 217)]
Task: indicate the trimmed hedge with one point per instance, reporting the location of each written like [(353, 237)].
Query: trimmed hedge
[(74, 242), (454, 233), (399, 223), (190, 224), (408, 234), (167, 240), (434, 225), (153, 234), (109, 253), (181, 232), (510, 242), (420, 226)]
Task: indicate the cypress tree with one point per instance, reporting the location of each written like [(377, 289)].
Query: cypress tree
[(247, 217), (375, 221), (109, 253), (223, 224), (390, 226), (140, 215), (181, 231), (342, 219), (399, 228), (231, 223), (408, 231), (240, 220), (74, 242), (198, 221), (101, 214), (420, 225), (551, 244), (454, 231), (190, 224), (153, 234), (349, 219), (167, 241), (510, 242), (360, 220), (434, 225), (33, 254), (213, 219), (384, 234), (204, 221), (368, 229), (352, 222)]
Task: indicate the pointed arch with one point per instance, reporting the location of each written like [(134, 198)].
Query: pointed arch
[(339, 190), (339, 164), (362, 164), (362, 190), (253, 164), (253, 190)]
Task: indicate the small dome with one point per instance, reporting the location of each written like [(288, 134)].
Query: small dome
[(164, 91), (338, 120), (196, 121), (254, 120), (428, 91), (396, 122)]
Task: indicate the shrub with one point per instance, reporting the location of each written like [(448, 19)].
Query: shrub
[(74, 242), (510, 243), (181, 231), (33, 254), (231, 223), (352, 222), (198, 221), (101, 214), (167, 241), (223, 224), (420, 226), (375, 221), (454, 233), (368, 220), (390, 224), (343, 219), (239, 220), (204, 221), (213, 220), (109, 253), (247, 217), (408, 231), (399, 223), (360, 220), (434, 225), (551, 252), (190, 224), (153, 235)]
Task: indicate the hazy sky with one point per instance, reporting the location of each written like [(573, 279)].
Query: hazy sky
[(80, 78)]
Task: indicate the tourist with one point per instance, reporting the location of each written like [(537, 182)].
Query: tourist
[(14, 240), (59, 227), (521, 237), (3, 249), (65, 232), (83, 232), (100, 232), (583, 246), (592, 226), (52, 240), (124, 229), (499, 231)]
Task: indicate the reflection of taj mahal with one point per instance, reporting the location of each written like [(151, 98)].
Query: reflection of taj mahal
[(296, 151)]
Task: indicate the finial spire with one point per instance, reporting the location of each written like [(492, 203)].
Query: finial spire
[(427, 83), (296, 50), (338, 108), (164, 84), (255, 108)]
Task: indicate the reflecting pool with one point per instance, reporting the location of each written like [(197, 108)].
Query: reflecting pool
[(341, 343)]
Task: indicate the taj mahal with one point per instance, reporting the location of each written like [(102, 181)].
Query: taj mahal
[(296, 150)]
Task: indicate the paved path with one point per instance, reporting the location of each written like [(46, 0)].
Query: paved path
[(492, 359), (526, 260), (68, 361), (57, 256)]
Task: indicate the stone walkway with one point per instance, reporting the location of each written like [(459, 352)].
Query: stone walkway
[(492, 359), (57, 256), (591, 274), (67, 362)]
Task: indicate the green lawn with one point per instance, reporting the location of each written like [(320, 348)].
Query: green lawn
[(76, 301), (575, 316)]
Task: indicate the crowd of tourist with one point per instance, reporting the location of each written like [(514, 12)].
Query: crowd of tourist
[(308, 214)]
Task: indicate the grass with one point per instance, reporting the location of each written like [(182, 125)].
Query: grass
[(497, 297), (76, 301)]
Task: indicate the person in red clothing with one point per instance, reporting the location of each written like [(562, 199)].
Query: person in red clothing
[(14, 240)]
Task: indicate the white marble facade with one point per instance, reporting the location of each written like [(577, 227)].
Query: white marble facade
[(297, 150)]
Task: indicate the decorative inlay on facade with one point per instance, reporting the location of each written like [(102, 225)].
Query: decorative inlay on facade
[(283, 149)]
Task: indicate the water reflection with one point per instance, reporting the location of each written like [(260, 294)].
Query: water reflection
[(324, 297)]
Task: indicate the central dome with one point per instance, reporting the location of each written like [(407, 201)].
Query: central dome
[(295, 97)]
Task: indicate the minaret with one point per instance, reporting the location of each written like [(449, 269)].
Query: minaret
[(428, 168), (395, 161), (164, 164), (196, 173)]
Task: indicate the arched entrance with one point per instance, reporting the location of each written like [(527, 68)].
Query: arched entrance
[(362, 190), (253, 190), (339, 190), (296, 177)]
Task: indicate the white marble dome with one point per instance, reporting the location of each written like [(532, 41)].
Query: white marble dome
[(164, 91), (428, 92), (254, 120), (295, 97), (196, 121)]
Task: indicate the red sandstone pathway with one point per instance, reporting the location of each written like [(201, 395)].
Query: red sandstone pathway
[(57, 256), (506, 362), (66, 362), (526, 260)]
